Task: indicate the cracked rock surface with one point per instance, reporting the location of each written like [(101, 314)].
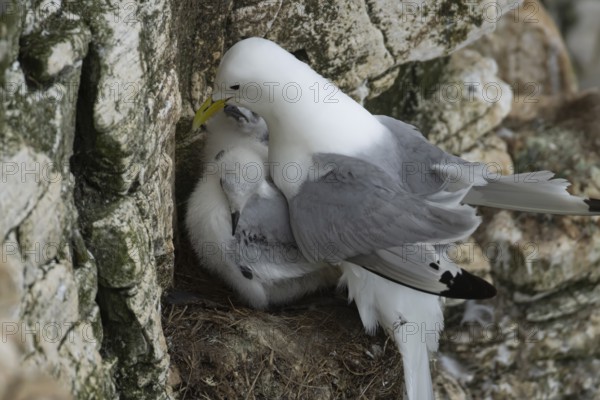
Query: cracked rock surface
[(89, 102)]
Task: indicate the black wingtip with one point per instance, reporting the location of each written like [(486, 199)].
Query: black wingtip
[(467, 286), (464, 286), (593, 204), (235, 218)]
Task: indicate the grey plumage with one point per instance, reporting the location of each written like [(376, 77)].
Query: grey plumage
[(261, 262), (412, 193)]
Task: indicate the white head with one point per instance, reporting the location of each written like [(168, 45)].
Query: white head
[(305, 113), (257, 73), (234, 127)]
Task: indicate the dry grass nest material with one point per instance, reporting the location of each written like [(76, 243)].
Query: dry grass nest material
[(317, 349)]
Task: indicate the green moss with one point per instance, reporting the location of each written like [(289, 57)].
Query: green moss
[(126, 341), (415, 82), (117, 252), (10, 141), (44, 106), (37, 47), (10, 26), (455, 16)]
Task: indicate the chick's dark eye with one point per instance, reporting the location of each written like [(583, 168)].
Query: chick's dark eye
[(234, 87)]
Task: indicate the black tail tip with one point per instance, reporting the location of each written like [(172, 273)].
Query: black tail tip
[(593, 204), (467, 286)]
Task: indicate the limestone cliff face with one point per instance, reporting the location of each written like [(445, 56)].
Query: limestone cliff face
[(89, 104), (96, 144)]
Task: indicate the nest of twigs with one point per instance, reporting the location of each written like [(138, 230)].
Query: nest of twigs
[(314, 349)]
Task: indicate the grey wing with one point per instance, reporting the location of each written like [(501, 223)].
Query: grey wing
[(529, 192), (424, 167), (427, 268), (360, 213), (268, 215), (267, 247), (357, 208)]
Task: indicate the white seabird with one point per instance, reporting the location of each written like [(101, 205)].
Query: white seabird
[(255, 253)]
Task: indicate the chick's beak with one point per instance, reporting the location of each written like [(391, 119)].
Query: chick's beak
[(235, 218), (207, 110)]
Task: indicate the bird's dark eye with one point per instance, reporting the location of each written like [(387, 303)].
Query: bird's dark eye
[(234, 87)]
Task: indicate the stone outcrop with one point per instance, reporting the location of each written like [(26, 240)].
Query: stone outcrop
[(577, 23), (385, 34), (539, 337), (535, 61), (455, 101)]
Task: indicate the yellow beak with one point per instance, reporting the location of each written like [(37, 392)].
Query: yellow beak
[(207, 110)]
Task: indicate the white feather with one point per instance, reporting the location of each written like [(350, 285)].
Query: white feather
[(531, 192), (208, 219), (412, 318)]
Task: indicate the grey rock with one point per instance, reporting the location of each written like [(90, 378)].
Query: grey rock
[(22, 190), (576, 20), (545, 338), (385, 34), (537, 74), (454, 101), (61, 44), (10, 27), (47, 117), (469, 101)]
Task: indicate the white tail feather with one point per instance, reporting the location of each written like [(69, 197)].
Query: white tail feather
[(415, 359), (531, 192), (412, 318)]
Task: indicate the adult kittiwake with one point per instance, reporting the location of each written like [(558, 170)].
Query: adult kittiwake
[(361, 187), (238, 221), (256, 254)]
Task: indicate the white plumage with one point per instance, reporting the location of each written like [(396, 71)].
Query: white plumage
[(261, 273), (413, 319)]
